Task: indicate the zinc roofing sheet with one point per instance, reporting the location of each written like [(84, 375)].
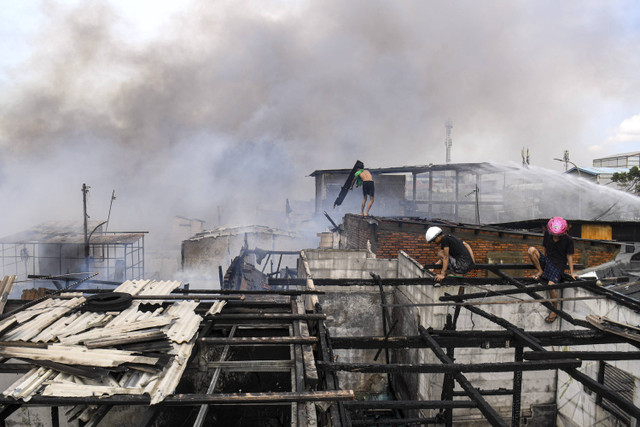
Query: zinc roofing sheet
[(50, 321)]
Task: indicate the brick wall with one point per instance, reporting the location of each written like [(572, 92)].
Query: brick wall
[(388, 236)]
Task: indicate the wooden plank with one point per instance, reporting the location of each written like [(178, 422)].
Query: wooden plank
[(310, 371), (6, 286), (258, 340), (191, 399), (627, 331), (253, 365), (542, 365), (269, 316)]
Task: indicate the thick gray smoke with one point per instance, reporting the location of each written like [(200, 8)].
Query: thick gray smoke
[(234, 104)]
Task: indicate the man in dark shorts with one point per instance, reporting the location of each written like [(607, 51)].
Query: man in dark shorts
[(557, 251), (364, 178), (455, 255)]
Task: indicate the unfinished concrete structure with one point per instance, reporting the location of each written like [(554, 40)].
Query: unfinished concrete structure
[(59, 248), (364, 339), (205, 254), (429, 190)]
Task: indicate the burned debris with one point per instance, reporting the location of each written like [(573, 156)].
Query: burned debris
[(343, 337)]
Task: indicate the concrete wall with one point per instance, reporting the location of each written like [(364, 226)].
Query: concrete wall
[(537, 389), (353, 310), (202, 255), (576, 406)]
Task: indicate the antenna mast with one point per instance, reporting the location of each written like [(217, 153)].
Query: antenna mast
[(447, 142), (565, 158)]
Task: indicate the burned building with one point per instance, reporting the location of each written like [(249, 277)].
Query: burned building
[(360, 337), (206, 253), (477, 193)]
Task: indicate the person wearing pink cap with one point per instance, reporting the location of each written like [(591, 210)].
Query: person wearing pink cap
[(557, 251)]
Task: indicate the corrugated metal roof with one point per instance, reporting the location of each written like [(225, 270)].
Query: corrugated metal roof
[(70, 233), (462, 167), (186, 322), (147, 287), (613, 156), (45, 318), (598, 170), (234, 231), (50, 321)]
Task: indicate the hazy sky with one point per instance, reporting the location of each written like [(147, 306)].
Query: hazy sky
[(184, 106)]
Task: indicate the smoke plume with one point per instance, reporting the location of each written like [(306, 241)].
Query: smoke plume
[(235, 103)]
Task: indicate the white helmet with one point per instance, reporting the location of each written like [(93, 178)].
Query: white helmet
[(432, 233)]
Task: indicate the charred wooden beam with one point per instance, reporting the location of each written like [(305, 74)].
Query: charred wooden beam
[(584, 355), (448, 381), (422, 281), (562, 314), (202, 412), (396, 421), (259, 291), (590, 383), (491, 392), (243, 341), (409, 404), (253, 365), (433, 368), (490, 414), (337, 412), (253, 304), (517, 391), (269, 316), (386, 318), (301, 330), (190, 399), (473, 339), (517, 291), (55, 417)]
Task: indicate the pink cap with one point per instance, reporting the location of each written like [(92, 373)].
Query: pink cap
[(557, 225)]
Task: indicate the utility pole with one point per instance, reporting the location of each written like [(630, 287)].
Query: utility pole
[(85, 190), (113, 197), (447, 142)]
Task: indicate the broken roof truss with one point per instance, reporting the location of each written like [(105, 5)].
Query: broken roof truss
[(281, 333)]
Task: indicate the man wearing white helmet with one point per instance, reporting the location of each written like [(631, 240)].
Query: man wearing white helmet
[(557, 251), (455, 254)]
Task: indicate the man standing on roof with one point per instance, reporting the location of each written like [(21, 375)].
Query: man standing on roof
[(557, 251), (363, 177), (455, 254)]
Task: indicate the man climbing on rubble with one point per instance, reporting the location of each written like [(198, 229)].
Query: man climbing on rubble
[(455, 254), (550, 262), (363, 177)]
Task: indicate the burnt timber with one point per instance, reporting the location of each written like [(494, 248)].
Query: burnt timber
[(280, 335)]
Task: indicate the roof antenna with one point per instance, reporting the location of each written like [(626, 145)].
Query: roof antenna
[(525, 159), (447, 142)]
